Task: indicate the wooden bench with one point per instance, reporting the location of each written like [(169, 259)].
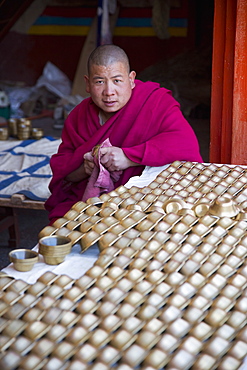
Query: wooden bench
[(8, 215)]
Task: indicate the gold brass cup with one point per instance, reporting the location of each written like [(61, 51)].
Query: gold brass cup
[(174, 205), (224, 207), (54, 248), (46, 231), (23, 259)]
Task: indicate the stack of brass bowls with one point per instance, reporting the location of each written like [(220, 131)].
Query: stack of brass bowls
[(37, 133), (12, 124), (24, 128), (54, 248), (4, 133)]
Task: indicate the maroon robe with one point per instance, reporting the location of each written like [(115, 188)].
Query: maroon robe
[(150, 129)]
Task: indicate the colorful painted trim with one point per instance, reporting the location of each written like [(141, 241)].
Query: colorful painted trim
[(71, 23)]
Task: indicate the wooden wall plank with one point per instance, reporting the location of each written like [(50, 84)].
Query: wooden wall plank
[(217, 80), (239, 135), (226, 136)]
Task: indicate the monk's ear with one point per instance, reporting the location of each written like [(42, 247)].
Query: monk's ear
[(87, 83), (132, 76)]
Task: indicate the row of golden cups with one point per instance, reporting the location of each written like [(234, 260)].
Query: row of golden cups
[(20, 128), (76, 226), (57, 240)]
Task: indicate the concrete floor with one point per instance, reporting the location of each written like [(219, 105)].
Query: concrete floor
[(32, 221)]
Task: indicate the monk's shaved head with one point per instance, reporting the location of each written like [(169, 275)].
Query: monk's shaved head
[(105, 55)]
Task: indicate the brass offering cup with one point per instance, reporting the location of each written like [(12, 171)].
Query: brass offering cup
[(54, 248), (23, 259), (201, 209), (174, 205), (46, 231), (224, 207), (96, 201)]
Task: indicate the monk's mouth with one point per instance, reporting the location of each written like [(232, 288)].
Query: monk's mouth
[(109, 103)]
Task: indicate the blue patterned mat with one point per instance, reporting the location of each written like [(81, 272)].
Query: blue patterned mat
[(25, 168)]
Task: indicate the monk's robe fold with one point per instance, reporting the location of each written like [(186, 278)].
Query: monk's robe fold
[(150, 129)]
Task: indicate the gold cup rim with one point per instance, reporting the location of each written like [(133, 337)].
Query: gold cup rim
[(55, 241), (23, 255)]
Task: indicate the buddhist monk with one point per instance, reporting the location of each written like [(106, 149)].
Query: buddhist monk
[(141, 120)]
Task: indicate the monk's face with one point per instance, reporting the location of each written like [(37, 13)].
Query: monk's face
[(110, 87)]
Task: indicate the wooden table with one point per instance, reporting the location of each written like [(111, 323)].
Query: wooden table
[(8, 215)]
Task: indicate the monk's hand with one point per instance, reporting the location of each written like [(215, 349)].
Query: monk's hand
[(88, 164), (114, 159)]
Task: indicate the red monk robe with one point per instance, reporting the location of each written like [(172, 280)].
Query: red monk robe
[(150, 129)]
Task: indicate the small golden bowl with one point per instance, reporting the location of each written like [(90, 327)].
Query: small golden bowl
[(105, 197), (80, 206), (224, 207), (71, 215), (107, 211), (174, 205), (96, 201), (63, 231), (107, 240), (75, 236), (46, 231), (127, 203), (54, 244), (201, 209), (89, 239), (60, 222), (54, 248), (121, 214), (73, 225), (121, 189), (92, 210), (23, 259), (110, 204)]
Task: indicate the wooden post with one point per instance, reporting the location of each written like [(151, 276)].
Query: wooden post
[(217, 80), (228, 127), (228, 71)]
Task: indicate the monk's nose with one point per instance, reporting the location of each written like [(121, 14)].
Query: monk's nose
[(109, 89)]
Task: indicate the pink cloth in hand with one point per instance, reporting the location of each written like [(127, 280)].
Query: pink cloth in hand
[(101, 180)]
